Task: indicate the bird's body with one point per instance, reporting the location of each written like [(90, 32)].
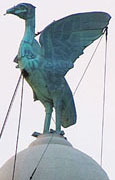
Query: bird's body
[(45, 63), (52, 90)]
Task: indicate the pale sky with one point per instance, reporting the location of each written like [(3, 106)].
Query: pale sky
[(86, 134)]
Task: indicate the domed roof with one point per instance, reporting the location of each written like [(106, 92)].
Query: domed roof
[(54, 159)]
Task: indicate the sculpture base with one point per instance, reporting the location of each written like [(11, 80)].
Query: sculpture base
[(54, 158)]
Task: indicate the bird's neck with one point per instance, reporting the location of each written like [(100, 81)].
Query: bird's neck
[(29, 30)]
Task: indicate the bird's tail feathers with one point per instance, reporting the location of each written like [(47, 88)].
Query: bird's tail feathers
[(68, 112)]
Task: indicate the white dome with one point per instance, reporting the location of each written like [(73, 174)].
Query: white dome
[(59, 162)]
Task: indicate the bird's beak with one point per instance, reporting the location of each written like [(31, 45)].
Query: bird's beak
[(15, 11), (10, 11)]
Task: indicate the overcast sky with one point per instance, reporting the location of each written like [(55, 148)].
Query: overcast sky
[(86, 134)]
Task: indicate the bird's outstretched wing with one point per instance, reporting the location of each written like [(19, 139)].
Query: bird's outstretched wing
[(63, 41)]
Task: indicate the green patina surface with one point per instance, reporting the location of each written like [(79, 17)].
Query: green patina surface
[(45, 63)]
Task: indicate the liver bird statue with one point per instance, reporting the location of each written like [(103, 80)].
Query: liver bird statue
[(45, 63)]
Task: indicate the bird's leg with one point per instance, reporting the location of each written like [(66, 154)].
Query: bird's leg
[(58, 108), (48, 110)]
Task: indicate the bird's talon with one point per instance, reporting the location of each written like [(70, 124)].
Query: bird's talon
[(60, 133), (52, 131), (57, 132)]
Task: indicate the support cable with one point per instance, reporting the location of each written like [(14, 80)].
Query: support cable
[(73, 95), (10, 106), (18, 133), (104, 94), (37, 166), (87, 66)]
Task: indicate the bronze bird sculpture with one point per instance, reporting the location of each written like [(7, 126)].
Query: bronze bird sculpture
[(45, 63)]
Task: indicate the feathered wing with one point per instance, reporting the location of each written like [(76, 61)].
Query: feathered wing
[(63, 41)]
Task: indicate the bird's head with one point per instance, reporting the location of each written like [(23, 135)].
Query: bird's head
[(22, 10)]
